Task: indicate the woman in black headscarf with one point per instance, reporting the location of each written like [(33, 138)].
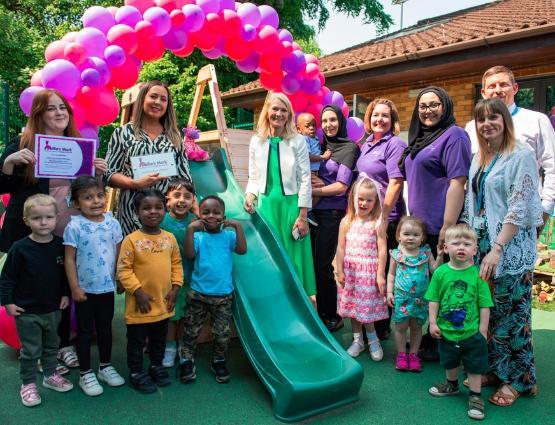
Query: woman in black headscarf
[(436, 164), (336, 175)]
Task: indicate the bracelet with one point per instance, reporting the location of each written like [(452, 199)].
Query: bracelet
[(302, 219), (500, 246)]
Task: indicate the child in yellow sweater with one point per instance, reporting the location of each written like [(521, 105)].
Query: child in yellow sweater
[(150, 270)]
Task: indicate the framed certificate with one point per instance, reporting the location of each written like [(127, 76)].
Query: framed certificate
[(161, 163), (64, 157)]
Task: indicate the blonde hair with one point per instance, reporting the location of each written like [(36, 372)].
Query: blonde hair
[(263, 125), (498, 69), (352, 206), (395, 126), (461, 230), (38, 200), (414, 222), (494, 106), (168, 120)]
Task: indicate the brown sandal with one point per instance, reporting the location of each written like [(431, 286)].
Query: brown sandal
[(508, 399), (488, 380)]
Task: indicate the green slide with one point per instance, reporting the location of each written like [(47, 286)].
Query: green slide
[(303, 367)]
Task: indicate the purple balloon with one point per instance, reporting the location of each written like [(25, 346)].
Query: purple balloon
[(215, 53), (128, 15), (209, 6), (248, 32), (311, 86), (63, 76), (333, 98), (194, 17), (250, 64), (93, 40), (103, 69), (268, 16), (175, 40), (294, 63), (114, 56), (26, 98), (249, 14), (285, 35), (290, 84), (89, 131), (90, 77), (98, 17), (227, 4), (355, 128), (160, 20)]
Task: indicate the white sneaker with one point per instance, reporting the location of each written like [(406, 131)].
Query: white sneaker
[(355, 349), (169, 357), (376, 352), (110, 376), (89, 384)]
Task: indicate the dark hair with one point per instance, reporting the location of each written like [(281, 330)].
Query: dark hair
[(147, 193), (180, 182), (215, 198), (82, 183)]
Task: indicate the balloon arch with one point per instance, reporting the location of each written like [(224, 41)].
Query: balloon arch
[(107, 54)]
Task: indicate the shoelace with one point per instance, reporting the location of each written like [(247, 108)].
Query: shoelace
[(30, 392), (57, 380)]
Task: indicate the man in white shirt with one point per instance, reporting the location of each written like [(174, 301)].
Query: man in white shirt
[(531, 127)]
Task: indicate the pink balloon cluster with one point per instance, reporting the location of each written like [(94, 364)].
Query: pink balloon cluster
[(86, 66)]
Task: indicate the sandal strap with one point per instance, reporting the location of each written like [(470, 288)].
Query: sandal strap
[(476, 403)]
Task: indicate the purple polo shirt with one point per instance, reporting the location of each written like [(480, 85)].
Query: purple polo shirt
[(331, 172), (428, 175), (380, 162)]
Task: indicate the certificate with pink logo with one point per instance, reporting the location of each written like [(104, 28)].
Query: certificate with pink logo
[(64, 157), (161, 163)]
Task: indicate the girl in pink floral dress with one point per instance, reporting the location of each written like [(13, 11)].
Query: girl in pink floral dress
[(361, 258)]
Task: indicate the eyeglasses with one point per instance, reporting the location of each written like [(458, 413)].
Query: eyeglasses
[(433, 107)]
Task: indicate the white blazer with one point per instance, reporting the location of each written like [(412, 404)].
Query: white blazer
[(294, 168)]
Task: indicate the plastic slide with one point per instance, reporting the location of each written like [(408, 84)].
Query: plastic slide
[(303, 367)]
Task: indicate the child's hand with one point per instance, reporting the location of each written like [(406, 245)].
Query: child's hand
[(435, 332), (380, 280), (326, 155), (231, 223), (78, 295), (197, 226), (340, 278), (249, 203), (170, 298), (119, 287), (143, 301), (14, 310), (390, 298), (64, 303)]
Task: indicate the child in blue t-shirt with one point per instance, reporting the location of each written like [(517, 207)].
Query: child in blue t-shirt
[(211, 245), (180, 198), (92, 240)]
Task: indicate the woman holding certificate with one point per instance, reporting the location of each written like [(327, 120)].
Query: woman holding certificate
[(146, 151)]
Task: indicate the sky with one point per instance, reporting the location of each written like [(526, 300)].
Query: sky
[(352, 31)]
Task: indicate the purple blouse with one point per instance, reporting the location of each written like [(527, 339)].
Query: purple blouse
[(380, 162), (331, 172), (429, 173)]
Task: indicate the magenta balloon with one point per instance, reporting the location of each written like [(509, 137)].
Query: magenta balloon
[(194, 17), (141, 5), (320, 134), (103, 69), (227, 4), (128, 15), (293, 63), (268, 16), (160, 20), (296, 46), (90, 77), (209, 6), (248, 32), (333, 98), (26, 98), (312, 59), (250, 64), (312, 70), (93, 40), (63, 76), (114, 56), (175, 39), (285, 35), (98, 17), (290, 84), (89, 131), (345, 110), (75, 53), (355, 128), (311, 86), (249, 14), (36, 79), (215, 53), (55, 50)]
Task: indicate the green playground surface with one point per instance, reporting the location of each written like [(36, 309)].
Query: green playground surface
[(386, 397)]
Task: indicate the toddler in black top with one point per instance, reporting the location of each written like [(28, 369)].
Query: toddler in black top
[(34, 289)]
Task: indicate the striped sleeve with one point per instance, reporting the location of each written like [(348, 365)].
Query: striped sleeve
[(116, 155)]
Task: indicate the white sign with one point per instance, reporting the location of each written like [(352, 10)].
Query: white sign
[(161, 163)]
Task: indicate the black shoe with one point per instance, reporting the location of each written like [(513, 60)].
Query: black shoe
[(143, 383), (219, 369), (159, 375), (334, 324), (383, 335), (187, 372)]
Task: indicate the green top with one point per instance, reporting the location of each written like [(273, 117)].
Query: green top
[(460, 293), (178, 228)]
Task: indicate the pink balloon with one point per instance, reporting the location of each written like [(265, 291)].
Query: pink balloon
[(355, 129), (232, 24), (123, 77), (345, 110), (36, 79), (160, 20), (270, 63), (249, 13), (299, 102), (128, 15), (112, 10), (150, 50), (187, 50), (70, 36), (8, 331), (144, 30), (312, 59), (177, 18), (114, 56), (194, 17), (268, 16), (209, 6), (312, 71), (26, 98), (296, 46), (123, 36), (75, 52), (271, 81), (63, 76), (167, 5), (55, 50), (141, 5), (78, 112), (267, 40), (237, 49), (98, 17), (93, 40), (100, 104)]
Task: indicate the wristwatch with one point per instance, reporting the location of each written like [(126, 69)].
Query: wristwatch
[(500, 245)]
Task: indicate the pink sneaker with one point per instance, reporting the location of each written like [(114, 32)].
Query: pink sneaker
[(414, 363), (402, 362), (30, 395), (57, 383)]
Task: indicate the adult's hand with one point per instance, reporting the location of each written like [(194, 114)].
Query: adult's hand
[(149, 180), (489, 263), (249, 203), (316, 182), (21, 157), (100, 166), (302, 224)]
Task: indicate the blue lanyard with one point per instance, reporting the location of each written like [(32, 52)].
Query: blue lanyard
[(481, 185), (515, 111)]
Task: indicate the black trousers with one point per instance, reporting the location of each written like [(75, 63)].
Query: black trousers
[(136, 339), (324, 245), (63, 328), (95, 313)]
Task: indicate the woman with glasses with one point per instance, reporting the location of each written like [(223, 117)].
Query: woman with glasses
[(435, 163)]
